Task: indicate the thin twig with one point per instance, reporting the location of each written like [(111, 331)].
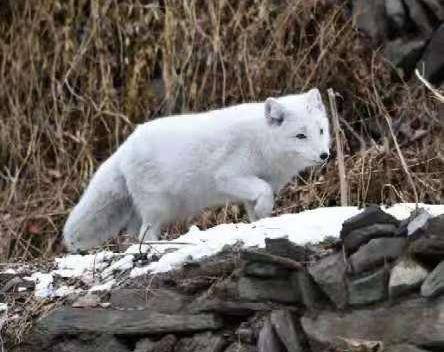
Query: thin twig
[(341, 165)]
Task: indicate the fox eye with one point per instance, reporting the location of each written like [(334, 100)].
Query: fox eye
[(301, 136), (321, 131)]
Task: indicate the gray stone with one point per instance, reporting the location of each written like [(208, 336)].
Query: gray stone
[(265, 270), (283, 323), (429, 248), (268, 341), (278, 290), (432, 62), (415, 224), (376, 253), (396, 13), (72, 321), (240, 347), (434, 283), (205, 342), (416, 322), (368, 289), (369, 216), (363, 235), (329, 274), (166, 344), (103, 343), (407, 275), (311, 295), (226, 307), (283, 247), (89, 300), (403, 348), (160, 300)]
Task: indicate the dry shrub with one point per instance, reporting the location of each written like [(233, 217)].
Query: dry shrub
[(76, 76)]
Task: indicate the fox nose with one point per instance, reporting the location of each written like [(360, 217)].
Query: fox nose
[(324, 156)]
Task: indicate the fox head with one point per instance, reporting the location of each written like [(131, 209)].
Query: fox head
[(299, 127)]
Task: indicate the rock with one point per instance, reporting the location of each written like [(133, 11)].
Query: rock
[(260, 256), (405, 53), (428, 251), (240, 347), (72, 321), (329, 274), (283, 324), (145, 345), (265, 270), (268, 341), (245, 334), (434, 283), (161, 300), (205, 342), (283, 247), (396, 13), (278, 290), (415, 321), (228, 308), (369, 216), (165, 344), (363, 235), (102, 343), (311, 295), (376, 253), (403, 348), (432, 62), (407, 275), (370, 18), (90, 300), (415, 224), (368, 289)]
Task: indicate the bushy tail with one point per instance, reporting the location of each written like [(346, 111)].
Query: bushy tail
[(103, 210)]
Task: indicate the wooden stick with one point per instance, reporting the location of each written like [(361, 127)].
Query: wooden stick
[(341, 165)]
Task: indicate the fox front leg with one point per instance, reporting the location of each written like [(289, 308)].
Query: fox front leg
[(256, 194)]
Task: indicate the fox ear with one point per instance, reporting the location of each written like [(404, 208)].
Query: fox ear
[(314, 101), (274, 112)]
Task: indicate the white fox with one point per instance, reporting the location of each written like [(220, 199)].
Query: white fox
[(173, 167)]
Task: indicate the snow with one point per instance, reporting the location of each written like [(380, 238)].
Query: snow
[(3, 307), (43, 284), (76, 265), (103, 287)]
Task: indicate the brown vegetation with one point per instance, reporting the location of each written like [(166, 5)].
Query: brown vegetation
[(76, 76)]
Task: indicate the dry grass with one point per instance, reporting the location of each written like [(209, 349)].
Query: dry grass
[(76, 76)]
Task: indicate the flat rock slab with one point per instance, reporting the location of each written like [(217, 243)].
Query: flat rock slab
[(369, 216), (363, 235), (71, 321), (283, 247), (265, 270), (376, 253), (102, 343), (329, 274), (277, 290), (166, 344), (417, 322), (205, 342), (407, 275), (434, 283), (160, 300), (268, 340), (285, 327), (368, 289)]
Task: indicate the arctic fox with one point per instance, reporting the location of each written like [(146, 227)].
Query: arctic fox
[(173, 167)]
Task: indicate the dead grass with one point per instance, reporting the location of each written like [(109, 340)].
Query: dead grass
[(76, 76)]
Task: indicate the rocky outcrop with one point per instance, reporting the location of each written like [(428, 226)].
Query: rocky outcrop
[(411, 31), (281, 298)]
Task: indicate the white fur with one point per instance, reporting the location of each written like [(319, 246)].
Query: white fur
[(173, 167)]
